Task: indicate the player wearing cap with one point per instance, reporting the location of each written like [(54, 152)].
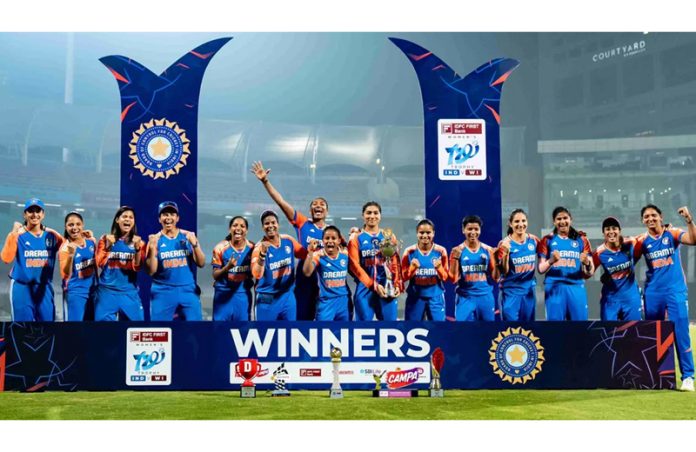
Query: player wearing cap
[(564, 256), (306, 289), (665, 284), (620, 298), (472, 268), (367, 267), (426, 267), (33, 248), (78, 269), (172, 257), (232, 273), (517, 259), (331, 264), (273, 267), (119, 257)]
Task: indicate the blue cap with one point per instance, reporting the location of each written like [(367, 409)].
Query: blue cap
[(34, 202), (167, 205)]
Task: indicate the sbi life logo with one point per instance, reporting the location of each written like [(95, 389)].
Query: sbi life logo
[(145, 361)]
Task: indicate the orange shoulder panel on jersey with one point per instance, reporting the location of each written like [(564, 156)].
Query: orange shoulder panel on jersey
[(586, 246), (354, 263), (299, 220), (9, 250), (443, 271), (676, 233), (543, 245), (596, 253), (218, 251), (638, 245), (59, 238), (535, 238)]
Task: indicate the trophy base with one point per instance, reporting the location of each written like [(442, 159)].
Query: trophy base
[(395, 393), (436, 392), (280, 393), (247, 392), (336, 393)]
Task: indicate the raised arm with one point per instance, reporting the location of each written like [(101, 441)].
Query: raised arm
[(198, 254), (312, 258), (151, 259), (689, 238), (262, 175)]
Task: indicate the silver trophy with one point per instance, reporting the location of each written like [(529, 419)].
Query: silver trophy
[(389, 246), (279, 376), (336, 391), (437, 360)]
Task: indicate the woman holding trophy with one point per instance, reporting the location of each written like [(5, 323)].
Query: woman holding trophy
[(374, 262)]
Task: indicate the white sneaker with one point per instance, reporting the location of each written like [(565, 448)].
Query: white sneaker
[(687, 385)]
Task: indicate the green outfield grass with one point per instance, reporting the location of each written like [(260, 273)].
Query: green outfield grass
[(504, 404)]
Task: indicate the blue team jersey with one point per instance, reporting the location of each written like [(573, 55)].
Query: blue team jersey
[(426, 282), (34, 257), (279, 266), (619, 277), (306, 230), (84, 267), (367, 262), (662, 258), (117, 265), (331, 274), (522, 263), (238, 278), (475, 269), (175, 264), (568, 269)]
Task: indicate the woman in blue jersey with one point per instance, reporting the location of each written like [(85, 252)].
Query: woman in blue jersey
[(172, 257), (426, 267), (33, 248), (367, 267), (473, 270), (306, 290), (232, 273), (331, 264), (665, 285), (517, 258), (119, 257), (78, 269), (620, 298), (564, 256), (273, 267)]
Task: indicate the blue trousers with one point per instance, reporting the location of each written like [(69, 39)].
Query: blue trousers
[(519, 308), (368, 304), (416, 306), (164, 301), (109, 303), (276, 306), (335, 308), (78, 306), (676, 305), (566, 302), (306, 294), (475, 307), (231, 306), (31, 302), (613, 309)]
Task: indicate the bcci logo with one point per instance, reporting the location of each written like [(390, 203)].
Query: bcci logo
[(516, 355), (159, 148)]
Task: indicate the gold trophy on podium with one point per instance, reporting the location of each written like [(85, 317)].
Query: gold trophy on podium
[(336, 392)]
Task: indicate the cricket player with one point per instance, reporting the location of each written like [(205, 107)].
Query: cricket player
[(78, 269)]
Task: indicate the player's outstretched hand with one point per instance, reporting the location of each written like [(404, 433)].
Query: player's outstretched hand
[(313, 246), (684, 212), (259, 171)]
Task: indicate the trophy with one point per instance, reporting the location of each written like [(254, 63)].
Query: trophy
[(247, 369), (437, 360), (279, 376), (378, 383), (336, 391), (389, 246)]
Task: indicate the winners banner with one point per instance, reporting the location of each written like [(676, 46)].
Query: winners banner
[(203, 355)]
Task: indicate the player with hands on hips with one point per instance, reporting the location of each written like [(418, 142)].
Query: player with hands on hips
[(33, 247), (119, 257), (472, 268), (78, 269), (426, 266), (331, 264), (172, 257), (665, 290), (564, 256), (231, 263), (517, 258)]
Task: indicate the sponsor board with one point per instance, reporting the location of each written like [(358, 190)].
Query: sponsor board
[(149, 356), (307, 372), (461, 149)]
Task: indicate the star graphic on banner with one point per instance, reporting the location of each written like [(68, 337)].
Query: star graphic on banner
[(516, 354), (159, 148), (628, 379)]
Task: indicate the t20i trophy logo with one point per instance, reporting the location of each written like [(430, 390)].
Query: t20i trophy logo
[(516, 355), (159, 148)]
